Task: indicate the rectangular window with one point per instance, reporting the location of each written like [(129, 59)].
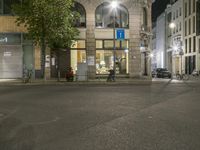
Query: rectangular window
[(99, 44), (185, 9), (186, 28), (79, 44), (189, 27), (186, 46), (194, 44), (1, 6), (104, 61), (198, 17), (6, 6), (194, 6), (199, 45), (180, 13), (124, 44), (177, 13), (105, 56), (194, 28), (189, 7), (77, 54), (109, 44), (180, 26), (190, 45)]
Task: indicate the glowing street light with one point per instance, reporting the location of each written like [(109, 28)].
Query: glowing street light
[(151, 55), (175, 48), (172, 25), (114, 4)]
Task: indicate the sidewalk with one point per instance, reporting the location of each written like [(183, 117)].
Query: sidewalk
[(64, 82), (119, 81)]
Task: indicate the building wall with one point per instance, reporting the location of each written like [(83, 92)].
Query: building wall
[(160, 44), (177, 36), (16, 44), (91, 33), (132, 34), (8, 25), (190, 35)]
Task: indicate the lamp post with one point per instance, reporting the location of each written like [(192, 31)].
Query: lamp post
[(181, 53), (114, 5)]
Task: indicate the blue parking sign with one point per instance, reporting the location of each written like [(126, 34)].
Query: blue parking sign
[(120, 34)]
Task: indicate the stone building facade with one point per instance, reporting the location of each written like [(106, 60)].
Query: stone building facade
[(137, 33), (94, 46)]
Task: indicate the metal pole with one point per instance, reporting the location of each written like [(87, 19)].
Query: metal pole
[(181, 65), (145, 63), (114, 44)]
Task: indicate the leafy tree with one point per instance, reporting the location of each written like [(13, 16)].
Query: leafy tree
[(48, 22)]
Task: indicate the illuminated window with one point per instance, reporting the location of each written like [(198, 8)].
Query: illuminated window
[(104, 16), (78, 53), (105, 56)]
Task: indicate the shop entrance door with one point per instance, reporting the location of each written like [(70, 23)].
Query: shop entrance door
[(11, 62)]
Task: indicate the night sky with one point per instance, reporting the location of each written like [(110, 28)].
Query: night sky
[(158, 7)]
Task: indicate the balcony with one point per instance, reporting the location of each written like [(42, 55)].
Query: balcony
[(145, 31)]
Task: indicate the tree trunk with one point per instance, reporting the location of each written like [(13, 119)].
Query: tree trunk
[(58, 64), (43, 57)]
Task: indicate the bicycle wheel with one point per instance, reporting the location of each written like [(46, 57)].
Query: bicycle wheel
[(178, 77), (185, 77)]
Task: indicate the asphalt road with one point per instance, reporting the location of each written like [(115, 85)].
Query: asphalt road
[(100, 117)]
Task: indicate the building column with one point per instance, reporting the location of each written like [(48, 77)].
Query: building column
[(91, 44), (134, 42)]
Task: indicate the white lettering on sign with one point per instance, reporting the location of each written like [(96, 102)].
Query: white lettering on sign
[(4, 40), (7, 54)]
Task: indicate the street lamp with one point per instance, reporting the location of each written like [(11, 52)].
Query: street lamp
[(172, 25), (114, 6)]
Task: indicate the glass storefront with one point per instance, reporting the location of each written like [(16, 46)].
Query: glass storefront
[(105, 56), (78, 54)]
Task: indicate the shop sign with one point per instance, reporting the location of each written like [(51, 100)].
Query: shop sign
[(120, 34), (90, 60), (7, 54), (4, 40)]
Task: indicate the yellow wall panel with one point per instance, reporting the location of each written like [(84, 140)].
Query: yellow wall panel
[(7, 24)]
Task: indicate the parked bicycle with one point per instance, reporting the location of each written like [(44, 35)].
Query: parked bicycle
[(27, 75), (182, 76), (195, 75)]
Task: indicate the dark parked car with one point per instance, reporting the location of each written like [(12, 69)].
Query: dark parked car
[(161, 73)]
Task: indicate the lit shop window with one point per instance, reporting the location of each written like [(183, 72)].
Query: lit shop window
[(105, 56), (78, 54)]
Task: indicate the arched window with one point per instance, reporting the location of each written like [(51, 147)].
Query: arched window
[(105, 16), (81, 22), (145, 17)]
